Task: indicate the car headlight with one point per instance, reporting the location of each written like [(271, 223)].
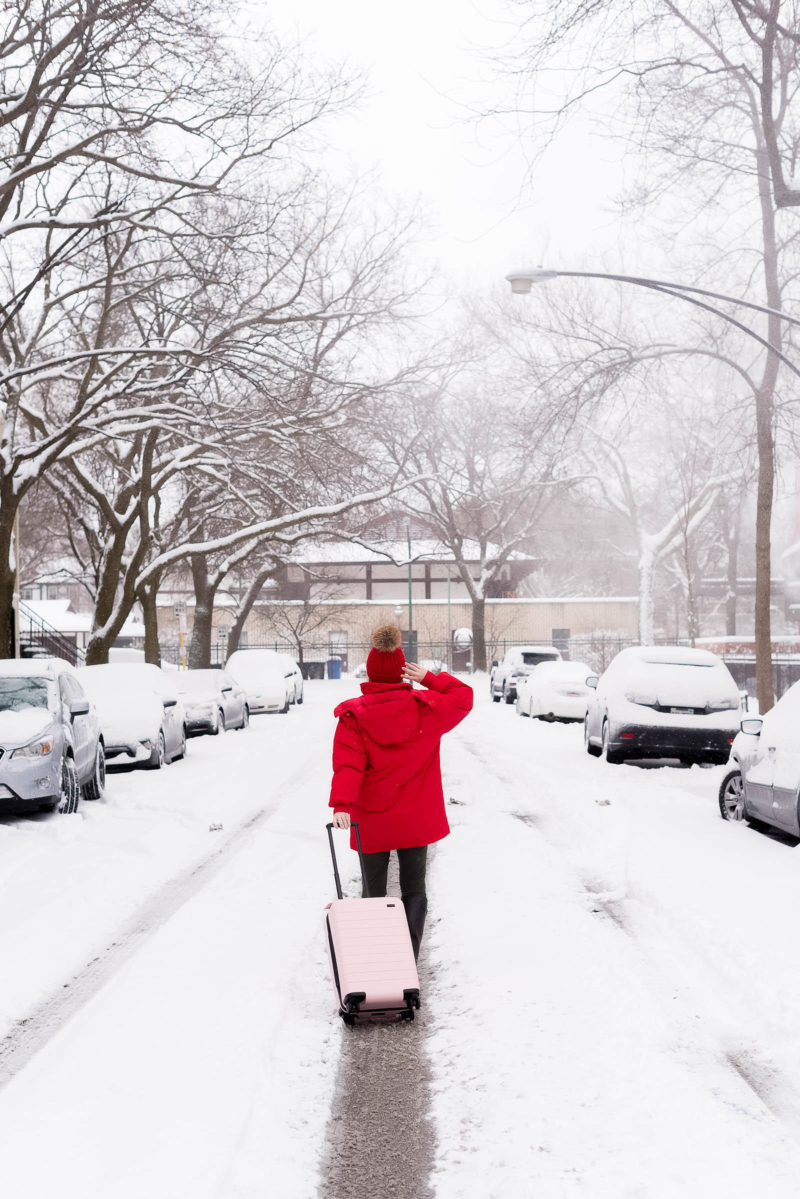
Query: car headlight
[(36, 749)]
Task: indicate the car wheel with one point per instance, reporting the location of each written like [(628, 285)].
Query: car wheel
[(285, 707), (731, 796), (506, 696), (519, 709), (96, 785), (220, 723), (245, 717), (70, 787), (590, 749), (610, 755), (158, 753), (300, 696), (182, 750)]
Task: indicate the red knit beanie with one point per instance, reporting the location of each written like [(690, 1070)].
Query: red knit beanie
[(386, 660)]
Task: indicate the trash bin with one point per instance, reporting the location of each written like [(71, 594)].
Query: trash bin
[(334, 668)]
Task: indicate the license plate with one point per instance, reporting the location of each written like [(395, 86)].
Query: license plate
[(683, 711)]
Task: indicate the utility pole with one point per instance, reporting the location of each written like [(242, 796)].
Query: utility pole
[(410, 599), (449, 627)]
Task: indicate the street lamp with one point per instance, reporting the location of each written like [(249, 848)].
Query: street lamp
[(521, 283)]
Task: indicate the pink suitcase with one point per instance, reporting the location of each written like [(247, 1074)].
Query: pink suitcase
[(369, 949)]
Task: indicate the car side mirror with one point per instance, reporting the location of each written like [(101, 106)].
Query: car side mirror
[(592, 680), (78, 707), (170, 703), (495, 662), (752, 726)]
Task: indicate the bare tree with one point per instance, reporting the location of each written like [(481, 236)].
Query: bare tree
[(727, 70), (120, 121), (488, 472)]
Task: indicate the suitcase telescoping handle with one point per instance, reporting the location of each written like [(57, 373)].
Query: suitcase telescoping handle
[(364, 882)]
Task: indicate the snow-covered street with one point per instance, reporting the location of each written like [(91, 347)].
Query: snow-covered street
[(612, 1011)]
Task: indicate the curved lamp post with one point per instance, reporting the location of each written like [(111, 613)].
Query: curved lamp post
[(521, 283), (523, 280)]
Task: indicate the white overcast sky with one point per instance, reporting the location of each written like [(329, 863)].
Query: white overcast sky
[(421, 59)]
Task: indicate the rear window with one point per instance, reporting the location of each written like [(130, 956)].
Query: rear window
[(18, 695), (533, 659)]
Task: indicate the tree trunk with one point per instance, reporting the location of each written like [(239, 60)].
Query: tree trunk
[(253, 592), (205, 590), (108, 617), (147, 598), (763, 614), (7, 573), (765, 442), (646, 601), (479, 634)]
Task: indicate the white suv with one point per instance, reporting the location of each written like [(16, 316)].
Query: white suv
[(517, 663)]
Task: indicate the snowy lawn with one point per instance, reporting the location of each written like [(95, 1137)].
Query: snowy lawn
[(615, 972)]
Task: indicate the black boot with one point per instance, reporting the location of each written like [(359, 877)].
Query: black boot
[(416, 910)]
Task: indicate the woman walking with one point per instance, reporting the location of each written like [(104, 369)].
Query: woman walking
[(386, 772)]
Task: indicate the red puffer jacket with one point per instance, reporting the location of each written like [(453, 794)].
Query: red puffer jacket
[(386, 771)]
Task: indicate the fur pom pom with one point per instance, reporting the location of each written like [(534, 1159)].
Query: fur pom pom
[(386, 638)]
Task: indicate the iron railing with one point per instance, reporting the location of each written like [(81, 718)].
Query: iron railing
[(39, 639)]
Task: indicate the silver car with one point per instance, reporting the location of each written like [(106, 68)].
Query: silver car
[(213, 700), (51, 746), (764, 781)]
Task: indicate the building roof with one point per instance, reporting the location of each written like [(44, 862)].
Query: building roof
[(394, 551)]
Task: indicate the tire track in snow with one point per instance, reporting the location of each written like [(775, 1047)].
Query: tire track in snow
[(774, 1090), (380, 1136), (33, 1032)]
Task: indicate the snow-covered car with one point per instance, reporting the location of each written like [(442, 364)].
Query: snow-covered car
[(295, 676), (764, 782), (515, 665), (664, 702), (213, 701), (265, 677), (141, 715), (556, 691), (51, 746)]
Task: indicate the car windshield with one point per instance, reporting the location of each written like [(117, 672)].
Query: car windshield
[(193, 681), (20, 694), (533, 659)]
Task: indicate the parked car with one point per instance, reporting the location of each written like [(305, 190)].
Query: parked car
[(142, 718), (555, 691), (764, 782), (51, 744), (516, 664), (293, 671), (265, 677), (213, 701), (664, 702)]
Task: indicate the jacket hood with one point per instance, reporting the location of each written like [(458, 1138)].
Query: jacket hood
[(387, 712)]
